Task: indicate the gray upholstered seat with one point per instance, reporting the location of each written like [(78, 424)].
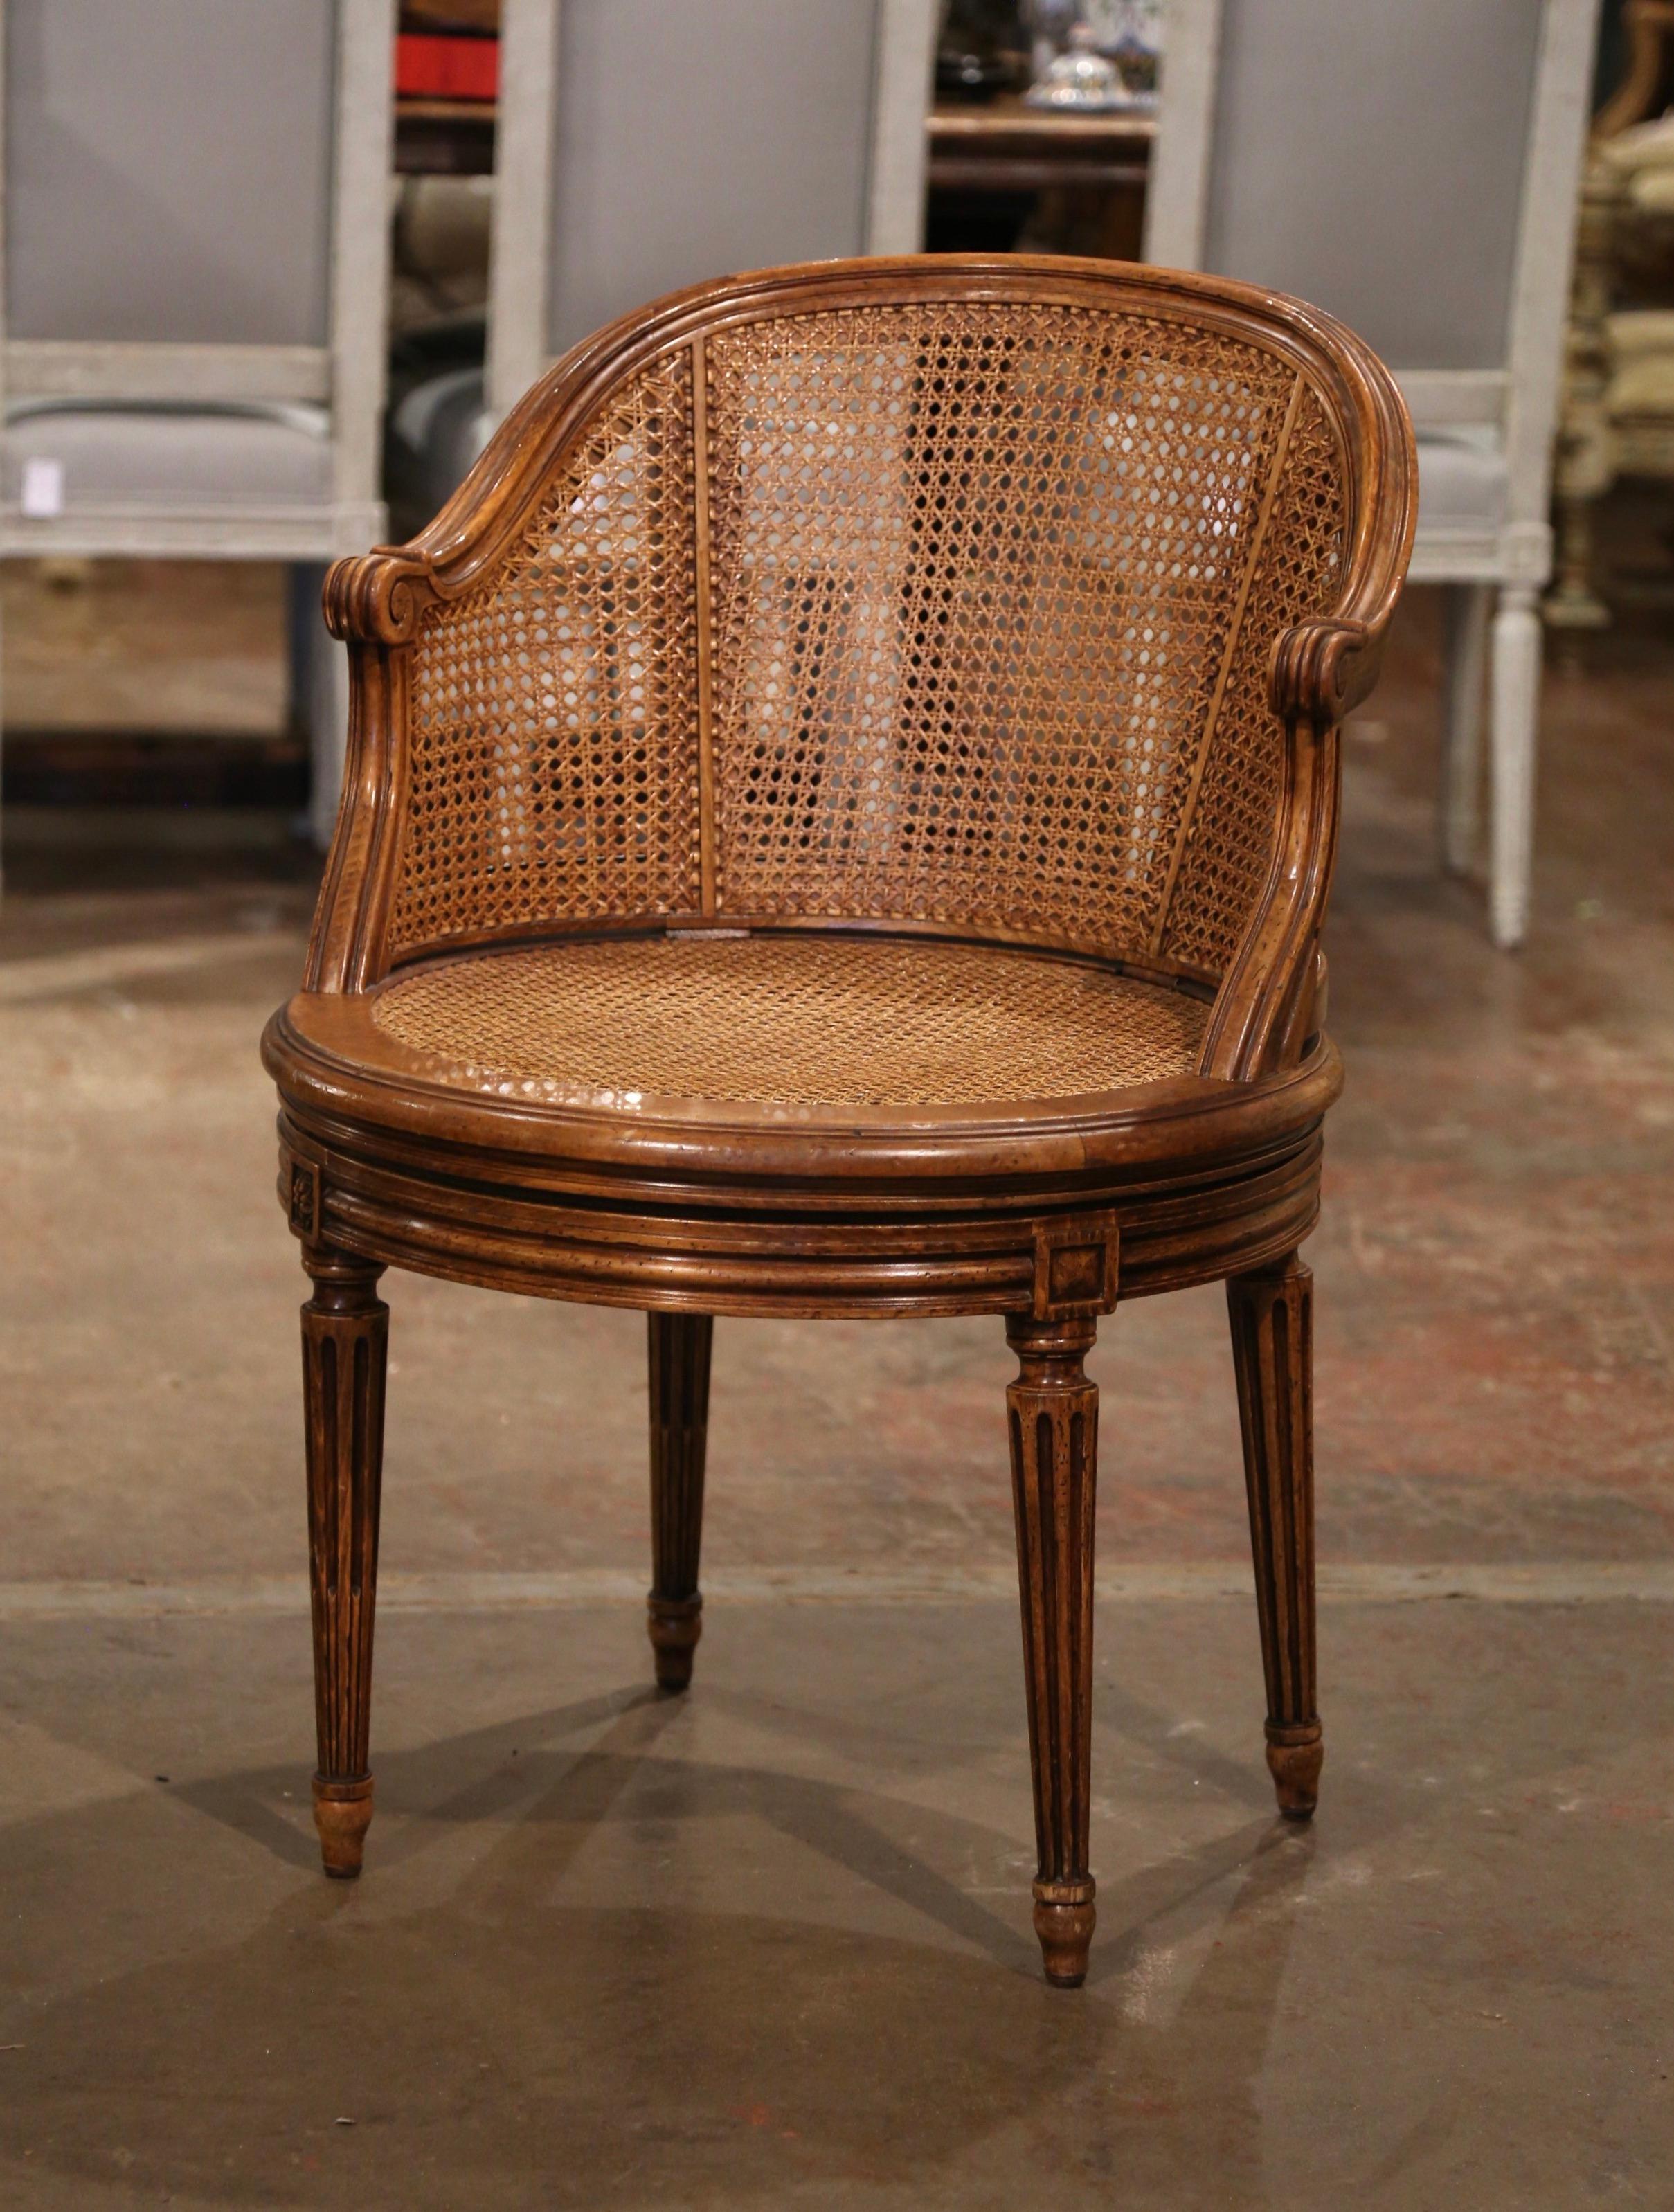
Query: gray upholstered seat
[(181, 460), (1462, 481)]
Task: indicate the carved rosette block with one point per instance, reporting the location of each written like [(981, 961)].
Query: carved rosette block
[(1272, 1341), (1054, 1420), (345, 1343), (678, 1348)]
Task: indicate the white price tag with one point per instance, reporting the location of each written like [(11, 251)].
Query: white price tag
[(43, 489)]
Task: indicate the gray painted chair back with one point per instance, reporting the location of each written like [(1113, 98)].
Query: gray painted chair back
[(1413, 168), (648, 144), (167, 171), (194, 211)]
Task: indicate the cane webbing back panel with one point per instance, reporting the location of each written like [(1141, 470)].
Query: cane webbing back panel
[(552, 728), (990, 592), (1229, 838), (806, 1021)]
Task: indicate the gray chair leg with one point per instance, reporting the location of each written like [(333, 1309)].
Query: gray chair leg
[(319, 697), (1469, 606), (1514, 725)]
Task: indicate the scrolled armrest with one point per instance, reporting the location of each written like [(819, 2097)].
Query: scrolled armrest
[(1323, 668), (1320, 670), (373, 597)]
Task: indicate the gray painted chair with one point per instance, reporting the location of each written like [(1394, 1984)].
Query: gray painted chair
[(195, 220), (647, 144), (1414, 169)]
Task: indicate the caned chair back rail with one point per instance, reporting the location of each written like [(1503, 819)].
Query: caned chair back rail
[(934, 594)]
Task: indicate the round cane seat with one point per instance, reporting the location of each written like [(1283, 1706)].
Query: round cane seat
[(792, 1120), (799, 1021)]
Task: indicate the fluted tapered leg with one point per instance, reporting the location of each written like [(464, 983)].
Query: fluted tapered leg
[(1272, 1344), (679, 1348), (345, 1342), (1054, 1412)]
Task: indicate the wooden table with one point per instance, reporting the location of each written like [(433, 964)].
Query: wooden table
[(999, 146), (1005, 146), (1004, 177), (445, 137)]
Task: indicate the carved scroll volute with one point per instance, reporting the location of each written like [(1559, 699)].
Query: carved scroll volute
[(376, 597), (1321, 670)]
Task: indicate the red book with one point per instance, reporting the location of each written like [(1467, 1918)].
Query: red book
[(436, 66)]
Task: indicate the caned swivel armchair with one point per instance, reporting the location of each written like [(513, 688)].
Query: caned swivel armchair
[(840, 811)]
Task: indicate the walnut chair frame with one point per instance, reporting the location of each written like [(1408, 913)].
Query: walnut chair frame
[(841, 808)]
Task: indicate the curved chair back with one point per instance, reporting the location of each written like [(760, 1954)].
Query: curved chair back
[(934, 594)]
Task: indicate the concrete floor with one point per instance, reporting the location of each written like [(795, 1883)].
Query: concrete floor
[(772, 1944)]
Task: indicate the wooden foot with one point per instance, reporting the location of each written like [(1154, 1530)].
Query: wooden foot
[(679, 1347), (1272, 1344), (1294, 1757), (342, 1813), (345, 1342), (1054, 1417)]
